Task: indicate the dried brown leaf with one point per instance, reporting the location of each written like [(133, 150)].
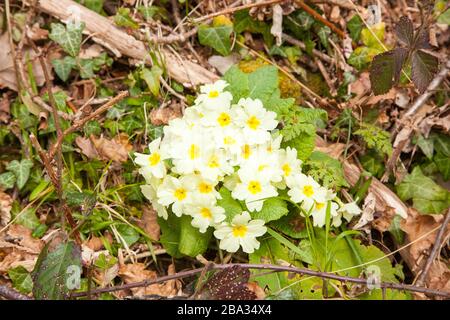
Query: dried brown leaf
[(116, 149), (5, 208), (149, 222), (162, 116)]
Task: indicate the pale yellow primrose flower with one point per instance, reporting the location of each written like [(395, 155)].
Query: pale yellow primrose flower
[(213, 95), (152, 164), (254, 187), (176, 192), (205, 213), (255, 120), (241, 232), (305, 190)]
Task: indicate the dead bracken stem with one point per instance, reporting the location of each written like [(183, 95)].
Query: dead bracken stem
[(276, 268)]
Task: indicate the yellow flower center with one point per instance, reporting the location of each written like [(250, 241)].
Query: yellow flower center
[(213, 162), (253, 122), (308, 191), (254, 187), (261, 167), (180, 194), (206, 213), (319, 205), (229, 140), (239, 231), (213, 94), (193, 151), (154, 159), (204, 187), (224, 119), (286, 169), (246, 151)]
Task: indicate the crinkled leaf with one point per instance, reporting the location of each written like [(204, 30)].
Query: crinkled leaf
[(7, 180), (424, 68), (385, 70), (273, 209), (170, 235), (304, 143), (192, 241), (21, 279), (63, 67), (57, 272), (21, 170), (404, 31), (232, 207), (217, 38), (68, 37), (428, 197)]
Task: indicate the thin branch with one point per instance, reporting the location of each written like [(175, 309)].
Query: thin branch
[(239, 8), (302, 46), (11, 294), (318, 17), (79, 123), (324, 275), (437, 244)]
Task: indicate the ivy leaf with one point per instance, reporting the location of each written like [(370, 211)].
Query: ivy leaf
[(426, 145), (21, 279), (21, 170), (443, 164), (371, 38), (324, 33), (123, 19), (428, 197), (355, 26), (7, 180), (63, 67), (231, 206), (424, 67), (404, 30), (385, 70), (69, 37), (361, 57), (273, 209), (217, 38), (244, 22), (151, 78), (86, 67), (55, 272)]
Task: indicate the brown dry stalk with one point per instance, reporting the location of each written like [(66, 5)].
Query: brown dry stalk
[(12, 294), (318, 17), (437, 244), (239, 8), (276, 268)]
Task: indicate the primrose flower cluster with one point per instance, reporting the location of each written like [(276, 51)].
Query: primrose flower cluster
[(220, 144)]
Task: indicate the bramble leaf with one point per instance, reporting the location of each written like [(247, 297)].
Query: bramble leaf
[(385, 70), (57, 272), (273, 209), (424, 67), (404, 31)]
